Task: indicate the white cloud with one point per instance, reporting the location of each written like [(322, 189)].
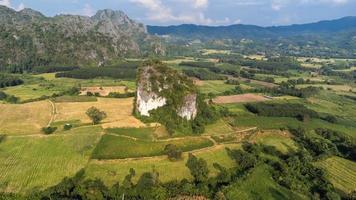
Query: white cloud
[(193, 13), (87, 10), (7, 3), (20, 7), (200, 3)]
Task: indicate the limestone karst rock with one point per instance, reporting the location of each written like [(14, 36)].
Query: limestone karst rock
[(160, 86)]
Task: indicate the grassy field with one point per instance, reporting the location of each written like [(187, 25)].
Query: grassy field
[(267, 123), (275, 138), (139, 133), (331, 103), (39, 162), (341, 173), (22, 119), (26, 92), (119, 112), (259, 185), (63, 99), (215, 87), (218, 128), (119, 147), (215, 51), (46, 84), (114, 171), (338, 88)]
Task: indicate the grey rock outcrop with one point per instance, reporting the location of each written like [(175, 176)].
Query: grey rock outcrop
[(150, 95)]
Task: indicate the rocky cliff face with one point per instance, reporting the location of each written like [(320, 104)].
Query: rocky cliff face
[(29, 38), (156, 87)]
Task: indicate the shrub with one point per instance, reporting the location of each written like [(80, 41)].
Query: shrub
[(49, 130), (173, 152), (96, 115), (67, 127), (198, 168)]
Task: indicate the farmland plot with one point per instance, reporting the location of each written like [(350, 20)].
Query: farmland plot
[(39, 162)]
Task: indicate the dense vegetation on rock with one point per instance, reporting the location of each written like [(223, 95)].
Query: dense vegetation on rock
[(29, 38)]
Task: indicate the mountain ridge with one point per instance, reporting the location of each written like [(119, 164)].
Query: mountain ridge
[(241, 30), (30, 38)]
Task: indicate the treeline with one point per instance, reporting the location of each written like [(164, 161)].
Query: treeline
[(274, 64), (8, 98), (281, 110), (285, 89), (202, 74), (345, 146), (198, 64), (90, 73), (327, 71), (7, 80), (210, 66), (51, 69)]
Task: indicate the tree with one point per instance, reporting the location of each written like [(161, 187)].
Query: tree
[(49, 130), (173, 152), (96, 115), (127, 183), (198, 168), (244, 159)]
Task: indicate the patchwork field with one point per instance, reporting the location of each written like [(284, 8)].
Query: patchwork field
[(39, 162), (239, 98), (114, 171), (119, 112), (22, 119)]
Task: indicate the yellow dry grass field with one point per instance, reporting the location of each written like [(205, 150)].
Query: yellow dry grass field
[(23, 119), (256, 57), (119, 112), (215, 51), (103, 91), (239, 99)]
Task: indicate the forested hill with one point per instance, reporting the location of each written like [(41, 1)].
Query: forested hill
[(240, 31), (29, 38)]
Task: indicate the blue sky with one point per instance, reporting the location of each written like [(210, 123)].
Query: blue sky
[(207, 12)]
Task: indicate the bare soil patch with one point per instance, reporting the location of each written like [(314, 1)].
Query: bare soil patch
[(239, 98)]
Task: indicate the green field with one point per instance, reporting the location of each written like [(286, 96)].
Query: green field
[(215, 87), (282, 142), (139, 133), (341, 173), (26, 92), (63, 99), (115, 171), (259, 185), (218, 128), (119, 147), (39, 162), (285, 122)]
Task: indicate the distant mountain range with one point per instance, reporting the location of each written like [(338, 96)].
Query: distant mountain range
[(241, 31)]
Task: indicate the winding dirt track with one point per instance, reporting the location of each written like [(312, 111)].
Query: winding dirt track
[(54, 113)]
